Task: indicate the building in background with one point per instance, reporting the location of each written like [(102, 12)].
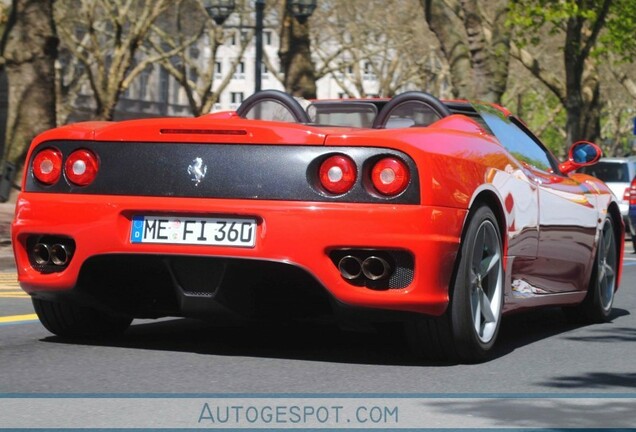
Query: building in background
[(155, 93)]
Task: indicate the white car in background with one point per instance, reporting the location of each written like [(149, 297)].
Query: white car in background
[(617, 173)]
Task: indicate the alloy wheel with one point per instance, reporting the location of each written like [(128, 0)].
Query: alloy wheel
[(486, 281)]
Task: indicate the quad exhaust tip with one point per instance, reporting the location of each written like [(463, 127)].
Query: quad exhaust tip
[(373, 268), (41, 254), (350, 267), (59, 254), (44, 254)]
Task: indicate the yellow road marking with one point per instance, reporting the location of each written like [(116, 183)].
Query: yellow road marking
[(18, 318), (9, 284)]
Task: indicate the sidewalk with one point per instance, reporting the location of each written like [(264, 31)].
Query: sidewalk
[(7, 263)]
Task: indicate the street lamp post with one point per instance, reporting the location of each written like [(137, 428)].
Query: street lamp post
[(301, 9), (258, 61), (220, 10)]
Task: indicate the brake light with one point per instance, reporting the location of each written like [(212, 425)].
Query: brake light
[(81, 167), (631, 192), (337, 174), (47, 166), (390, 176)]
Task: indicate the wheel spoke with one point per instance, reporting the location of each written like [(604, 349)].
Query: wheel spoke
[(489, 263), (478, 250), (607, 241), (474, 279), (486, 307), (608, 270), (477, 316), (601, 273)]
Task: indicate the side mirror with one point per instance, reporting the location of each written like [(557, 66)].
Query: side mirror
[(581, 154)]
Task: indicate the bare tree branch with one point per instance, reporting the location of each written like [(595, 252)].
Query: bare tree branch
[(534, 66), (170, 48)]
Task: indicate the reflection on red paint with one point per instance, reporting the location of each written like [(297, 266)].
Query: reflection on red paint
[(509, 202)]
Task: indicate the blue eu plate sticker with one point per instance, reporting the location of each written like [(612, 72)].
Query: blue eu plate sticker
[(137, 229)]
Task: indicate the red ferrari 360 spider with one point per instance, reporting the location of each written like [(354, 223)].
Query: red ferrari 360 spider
[(441, 215)]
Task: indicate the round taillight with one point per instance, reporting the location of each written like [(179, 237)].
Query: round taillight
[(47, 166), (337, 174), (81, 167), (390, 176)]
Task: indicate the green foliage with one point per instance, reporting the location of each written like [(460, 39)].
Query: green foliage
[(537, 163), (617, 135), (534, 14), (544, 115), (553, 135), (532, 17), (620, 35)]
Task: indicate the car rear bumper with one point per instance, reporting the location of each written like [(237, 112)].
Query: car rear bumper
[(302, 234)]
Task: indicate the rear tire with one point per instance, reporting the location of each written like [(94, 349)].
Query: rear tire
[(597, 305), (468, 329), (70, 320)]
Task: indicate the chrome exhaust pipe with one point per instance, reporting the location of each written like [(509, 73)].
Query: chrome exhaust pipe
[(375, 268), (41, 254), (59, 254), (350, 267)]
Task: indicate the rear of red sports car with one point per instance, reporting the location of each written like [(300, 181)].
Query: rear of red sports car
[(196, 217), (260, 214)]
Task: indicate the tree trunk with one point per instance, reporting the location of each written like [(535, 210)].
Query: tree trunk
[(295, 58), (479, 55), (448, 29), (573, 79), (580, 95), (500, 52), (592, 104), (29, 49), (478, 64)]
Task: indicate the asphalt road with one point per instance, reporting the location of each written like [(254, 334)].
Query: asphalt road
[(538, 352)]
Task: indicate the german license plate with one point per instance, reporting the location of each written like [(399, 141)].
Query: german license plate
[(193, 231)]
